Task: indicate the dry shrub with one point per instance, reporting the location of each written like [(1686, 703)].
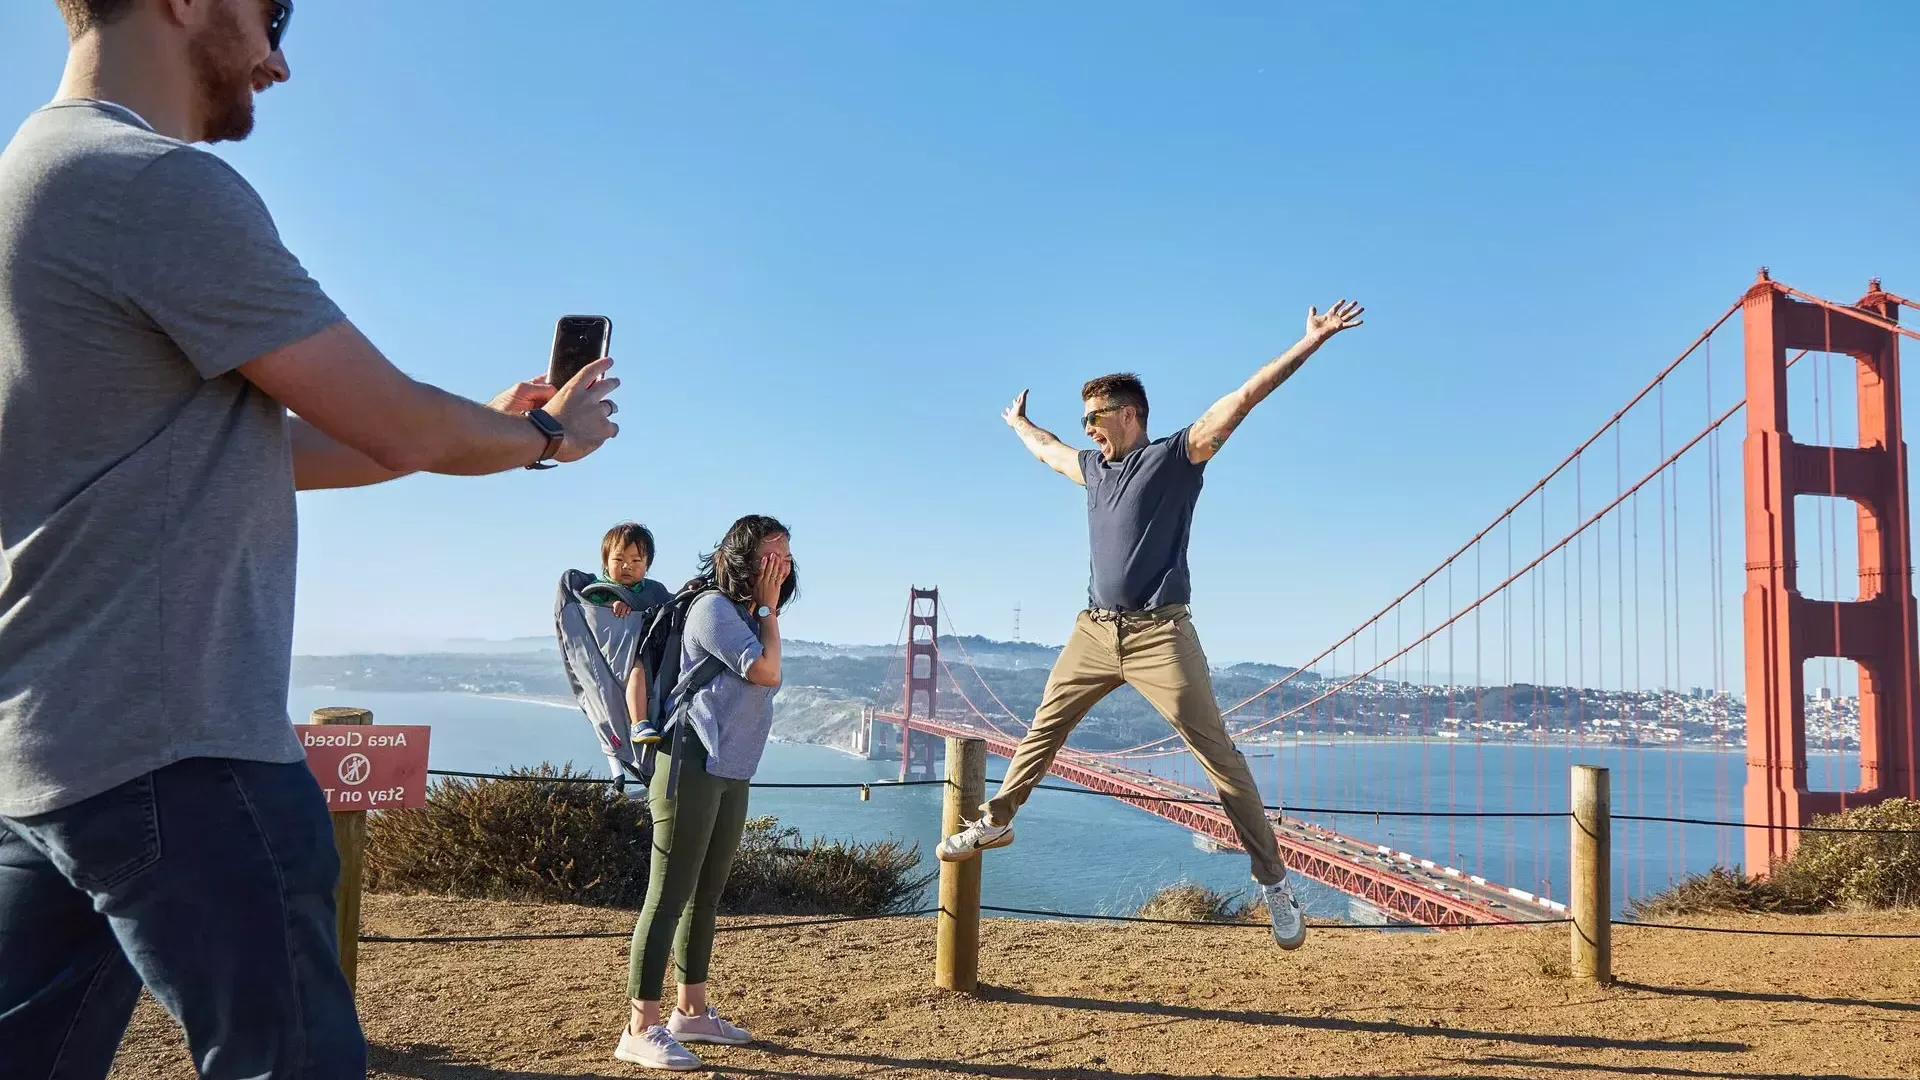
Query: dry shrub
[(1827, 871), (1197, 903), (776, 873), (1719, 889), (551, 842), (1857, 871), (548, 840)]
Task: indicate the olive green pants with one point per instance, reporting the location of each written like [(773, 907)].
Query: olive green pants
[(1157, 653), (695, 836)]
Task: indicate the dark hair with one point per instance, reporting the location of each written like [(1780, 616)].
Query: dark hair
[(1122, 389), (730, 566), (85, 15), (624, 534)]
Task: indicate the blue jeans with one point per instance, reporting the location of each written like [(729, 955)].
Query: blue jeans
[(211, 881)]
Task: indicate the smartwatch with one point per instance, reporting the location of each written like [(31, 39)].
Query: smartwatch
[(555, 434), (762, 611)]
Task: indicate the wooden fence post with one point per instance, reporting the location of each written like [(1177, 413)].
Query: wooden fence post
[(350, 840), (1592, 906), (956, 957)]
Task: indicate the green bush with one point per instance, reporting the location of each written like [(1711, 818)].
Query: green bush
[(1827, 871), (548, 840), (1196, 903)]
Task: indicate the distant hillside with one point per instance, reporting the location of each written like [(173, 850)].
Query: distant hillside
[(983, 652), (828, 687)]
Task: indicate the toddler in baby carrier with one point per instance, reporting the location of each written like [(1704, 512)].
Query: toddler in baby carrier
[(602, 652)]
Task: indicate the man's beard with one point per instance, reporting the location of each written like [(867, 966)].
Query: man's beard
[(223, 78)]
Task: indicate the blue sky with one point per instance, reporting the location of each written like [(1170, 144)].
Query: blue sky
[(836, 239)]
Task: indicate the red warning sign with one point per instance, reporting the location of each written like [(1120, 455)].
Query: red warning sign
[(368, 766)]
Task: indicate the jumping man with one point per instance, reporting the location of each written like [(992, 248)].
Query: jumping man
[(1137, 629)]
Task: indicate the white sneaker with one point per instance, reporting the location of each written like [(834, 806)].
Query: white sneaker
[(655, 1048), (974, 838), (707, 1028), (1283, 911)]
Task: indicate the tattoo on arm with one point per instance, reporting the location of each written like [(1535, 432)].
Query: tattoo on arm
[(1228, 425), (1038, 437)]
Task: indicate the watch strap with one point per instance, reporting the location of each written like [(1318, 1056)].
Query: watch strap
[(556, 436)]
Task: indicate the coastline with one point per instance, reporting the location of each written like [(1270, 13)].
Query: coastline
[(533, 699), (836, 747)]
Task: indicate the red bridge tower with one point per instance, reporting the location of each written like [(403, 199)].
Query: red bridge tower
[(1785, 629)]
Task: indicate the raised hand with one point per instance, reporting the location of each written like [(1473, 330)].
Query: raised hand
[(585, 411), (1016, 413), (773, 577), (1343, 315)]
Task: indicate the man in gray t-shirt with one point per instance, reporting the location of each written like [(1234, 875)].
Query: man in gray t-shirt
[(1136, 630), (157, 823)]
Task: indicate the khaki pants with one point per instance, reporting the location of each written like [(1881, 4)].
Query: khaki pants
[(1157, 653)]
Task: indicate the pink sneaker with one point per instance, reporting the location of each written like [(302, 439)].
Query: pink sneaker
[(706, 1029)]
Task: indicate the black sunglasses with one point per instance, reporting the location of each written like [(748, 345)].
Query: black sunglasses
[(277, 23), (1087, 420)]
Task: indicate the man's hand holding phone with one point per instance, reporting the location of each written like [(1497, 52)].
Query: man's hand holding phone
[(582, 407), (584, 410)]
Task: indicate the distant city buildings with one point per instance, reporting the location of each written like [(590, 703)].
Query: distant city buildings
[(1529, 713)]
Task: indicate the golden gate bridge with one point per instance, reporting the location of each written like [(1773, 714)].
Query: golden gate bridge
[(1593, 571)]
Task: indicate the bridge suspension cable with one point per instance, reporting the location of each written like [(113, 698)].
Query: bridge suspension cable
[(975, 668), (1504, 516), (1405, 712)]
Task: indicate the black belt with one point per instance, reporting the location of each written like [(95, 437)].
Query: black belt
[(1155, 614)]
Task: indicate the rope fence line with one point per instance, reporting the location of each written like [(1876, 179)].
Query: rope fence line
[(1081, 916), (866, 785), (1329, 811), (534, 778), (1765, 825), (1264, 926), (1764, 933), (574, 935)]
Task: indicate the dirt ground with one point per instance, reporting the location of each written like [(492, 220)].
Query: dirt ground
[(1122, 1002)]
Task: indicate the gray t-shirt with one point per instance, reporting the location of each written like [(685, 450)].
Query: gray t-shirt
[(1139, 517), (733, 716), (146, 488)]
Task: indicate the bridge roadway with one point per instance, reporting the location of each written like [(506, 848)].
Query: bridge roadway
[(1400, 883)]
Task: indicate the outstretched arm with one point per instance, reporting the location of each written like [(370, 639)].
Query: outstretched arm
[(371, 422), (322, 461), (1044, 445), (1209, 433)]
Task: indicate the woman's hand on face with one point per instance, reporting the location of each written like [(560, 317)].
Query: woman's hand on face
[(773, 577)]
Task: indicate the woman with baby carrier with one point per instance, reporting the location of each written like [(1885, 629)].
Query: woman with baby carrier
[(722, 713)]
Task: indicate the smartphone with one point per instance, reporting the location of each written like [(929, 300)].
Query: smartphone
[(578, 340)]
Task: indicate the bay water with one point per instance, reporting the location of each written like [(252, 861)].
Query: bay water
[(1084, 853)]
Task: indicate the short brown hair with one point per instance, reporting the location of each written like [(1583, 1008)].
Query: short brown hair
[(627, 533), (85, 15), (1124, 388)]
